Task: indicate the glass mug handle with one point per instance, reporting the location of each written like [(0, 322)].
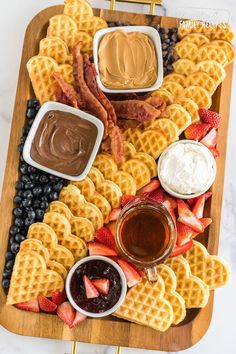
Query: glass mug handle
[(151, 274)]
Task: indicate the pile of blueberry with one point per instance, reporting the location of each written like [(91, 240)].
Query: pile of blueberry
[(35, 189), (169, 37)]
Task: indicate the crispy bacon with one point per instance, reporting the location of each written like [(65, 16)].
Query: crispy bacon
[(157, 102), (59, 96), (135, 109), (117, 144), (128, 123), (67, 89)]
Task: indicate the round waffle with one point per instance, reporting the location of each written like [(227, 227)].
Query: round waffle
[(184, 67), (138, 170), (168, 127), (196, 38), (211, 52), (191, 107), (129, 150), (106, 165), (227, 47), (126, 182), (199, 95), (179, 116), (180, 79), (212, 68), (95, 175), (202, 79), (166, 95), (173, 87), (149, 162), (186, 50)]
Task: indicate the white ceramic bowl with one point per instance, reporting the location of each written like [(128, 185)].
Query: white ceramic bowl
[(153, 34), (208, 184), (64, 108), (123, 286)]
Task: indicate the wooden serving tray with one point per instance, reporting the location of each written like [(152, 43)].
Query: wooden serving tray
[(109, 331)]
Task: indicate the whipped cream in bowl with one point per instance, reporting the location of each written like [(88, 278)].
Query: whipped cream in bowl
[(186, 169)]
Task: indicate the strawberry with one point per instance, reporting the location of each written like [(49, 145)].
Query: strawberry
[(215, 152), (197, 131), (125, 199), (102, 285), (192, 201), (138, 270), (58, 297), (150, 187), (90, 289), (46, 305), (31, 305), (199, 207), (209, 117), (210, 140), (181, 249), (66, 313), (104, 236), (206, 222), (170, 209), (114, 214), (184, 233), (112, 227), (131, 274), (171, 201), (158, 195), (98, 249), (188, 218), (79, 317)]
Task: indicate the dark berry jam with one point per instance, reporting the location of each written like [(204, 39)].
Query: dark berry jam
[(95, 269)]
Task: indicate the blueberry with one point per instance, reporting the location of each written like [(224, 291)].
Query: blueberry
[(30, 122), (28, 194), (53, 196), (25, 178), (11, 240), (44, 198), (23, 139), (7, 273), (29, 222), (32, 102), (17, 199), (26, 130), (30, 113), (58, 186), (19, 222), (20, 147), (31, 169), (5, 283), (47, 189), (39, 213), (29, 208), (9, 256), (21, 158), (19, 185), (31, 214), (29, 185), (10, 264), (44, 205), (43, 179), (23, 168), (37, 191), (14, 230), (20, 193), (26, 202), (54, 178), (19, 238), (18, 212), (36, 203)]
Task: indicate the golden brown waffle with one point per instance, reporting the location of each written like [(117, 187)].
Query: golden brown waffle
[(95, 175), (176, 300), (184, 67), (196, 38), (93, 25), (193, 290), (48, 237), (125, 181), (55, 48), (149, 162), (186, 50), (86, 186), (106, 165), (166, 95), (61, 225), (138, 170), (60, 208), (212, 68), (37, 246), (223, 33), (145, 305), (191, 107), (80, 11), (168, 127), (199, 95), (129, 150), (111, 191), (227, 47), (57, 267), (31, 278), (191, 26), (179, 116), (213, 270), (211, 52), (180, 79), (173, 87), (200, 78)]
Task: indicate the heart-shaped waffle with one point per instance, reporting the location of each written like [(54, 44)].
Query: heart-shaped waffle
[(179, 78), (184, 66), (138, 170), (166, 95), (167, 126), (106, 165), (111, 191), (79, 10), (149, 162), (145, 305), (31, 278), (212, 68), (196, 38), (186, 50), (173, 87), (179, 116), (37, 246), (57, 267), (191, 107), (213, 270), (95, 175), (202, 79), (55, 48), (227, 47), (48, 237), (176, 300), (193, 290), (129, 150), (125, 181), (198, 95), (211, 52)]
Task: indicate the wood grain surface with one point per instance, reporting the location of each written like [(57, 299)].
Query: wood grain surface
[(109, 331)]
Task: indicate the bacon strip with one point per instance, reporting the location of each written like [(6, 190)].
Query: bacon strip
[(135, 109), (125, 124), (67, 89), (117, 144), (157, 102), (60, 97)]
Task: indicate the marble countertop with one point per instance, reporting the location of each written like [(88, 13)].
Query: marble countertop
[(14, 17)]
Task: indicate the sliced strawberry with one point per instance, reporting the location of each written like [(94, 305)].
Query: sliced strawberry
[(206, 222), (58, 297), (112, 227), (66, 313), (158, 195), (79, 317), (114, 214), (184, 233), (90, 289), (188, 218), (197, 131), (131, 274), (138, 270), (199, 207), (209, 117), (150, 187), (125, 199), (105, 236), (31, 305), (172, 201), (210, 140), (170, 209), (114, 258), (102, 285), (181, 249), (192, 201), (98, 249), (215, 152), (46, 305)]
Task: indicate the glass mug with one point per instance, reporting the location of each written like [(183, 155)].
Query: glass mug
[(145, 234)]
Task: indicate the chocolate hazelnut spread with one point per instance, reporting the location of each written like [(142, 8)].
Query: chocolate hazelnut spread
[(64, 142), (127, 60)]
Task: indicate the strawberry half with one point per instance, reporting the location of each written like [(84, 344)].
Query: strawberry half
[(158, 195), (105, 236), (150, 187), (197, 131), (90, 289), (199, 207), (188, 218), (192, 201), (210, 140), (215, 152), (178, 250), (102, 285), (170, 209), (206, 222), (114, 214), (46, 305), (58, 297), (98, 249), (138, 270), (66, 313), (209, 117), (31, 305), (131, 274), (171, 201), (125, 199), (184, 233), (79, 317)]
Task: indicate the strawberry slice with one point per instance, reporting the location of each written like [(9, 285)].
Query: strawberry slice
[(102, 285), (31, 305), (158, 195), (46, 305), (192, 201), (98, 249), (197, 131), (215, 152), (66, 313), (114, 214), (210, 140), (125, 199), (206, 222), (178, 250), (209, 117), (171, 201), (199, 206), (150, 187), (138, 270), (170, 209), (105, 236), (79, 317), (58, 297), (90, 289), (184, 233), (131, 274), (188, 218)]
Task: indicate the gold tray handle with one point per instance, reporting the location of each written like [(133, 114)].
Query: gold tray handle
[(74, 348), (151, 3)]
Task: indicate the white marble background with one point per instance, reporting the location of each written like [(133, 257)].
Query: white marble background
[(14, 16)]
